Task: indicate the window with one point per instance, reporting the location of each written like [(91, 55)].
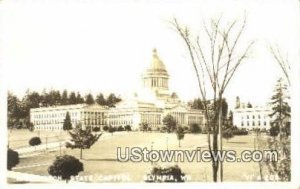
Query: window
[(253, 116), (242, 124), (253, 123), (247, 116)]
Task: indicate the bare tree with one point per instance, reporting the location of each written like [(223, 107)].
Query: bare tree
[(215, 64), (282, 61)]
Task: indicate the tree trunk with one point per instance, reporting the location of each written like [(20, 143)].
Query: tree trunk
[(80, 152), (220, 138), (215, 172), (215, 162), (261, 172)]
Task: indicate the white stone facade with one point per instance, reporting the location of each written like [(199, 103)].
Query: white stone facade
[(252, 118), (52, 118)]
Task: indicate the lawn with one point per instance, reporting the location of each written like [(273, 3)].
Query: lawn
[(100, 161), (20, 137)]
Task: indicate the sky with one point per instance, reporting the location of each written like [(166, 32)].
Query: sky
[(104, 46)]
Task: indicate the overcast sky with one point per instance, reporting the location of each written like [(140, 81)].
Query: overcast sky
[(104, 46)]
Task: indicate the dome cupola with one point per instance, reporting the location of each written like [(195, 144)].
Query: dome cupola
[(156, 76)]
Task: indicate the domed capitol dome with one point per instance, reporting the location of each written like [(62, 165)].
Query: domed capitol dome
[(156, 76), (156, 65)]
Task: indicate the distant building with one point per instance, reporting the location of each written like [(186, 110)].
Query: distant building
[(52, 118), (252, 118), (153, 102)]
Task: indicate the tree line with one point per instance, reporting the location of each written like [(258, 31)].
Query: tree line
[(19, 108)]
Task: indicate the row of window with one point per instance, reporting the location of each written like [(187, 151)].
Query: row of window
[(157, 82), (195, 119), (74, 121), (114, 116), (63, 115), (179, 117), (254, 124), (121, 122), (49, 127), (253, 116), (151, 118)]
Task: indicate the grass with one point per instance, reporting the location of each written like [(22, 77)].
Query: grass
[(100, 160), (20, 137)]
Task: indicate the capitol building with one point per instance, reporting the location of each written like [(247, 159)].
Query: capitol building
[(150, 105)]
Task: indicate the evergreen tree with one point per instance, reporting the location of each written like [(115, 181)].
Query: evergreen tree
[(170, 123), (72, 98), (45, 98), (280, 126), (280, 108), (82, 138), (89, 99), (13, 110), (51, 98), (56, 97), (79, 99), (197, 104), (101, 100), (64, 98), (112, 100), (67, 122), (32, 99)]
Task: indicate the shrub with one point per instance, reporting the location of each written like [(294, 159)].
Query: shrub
[(111, 129), (144, 127), (12, 159), (195, 128), (121, 128), (240, 132), (96, 129), (163, 129), (34, 141), (65, 166), (186, 128), (227, 133), (127, 128), (69, 145), (168, 174), (31, 127), (105, 128)]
